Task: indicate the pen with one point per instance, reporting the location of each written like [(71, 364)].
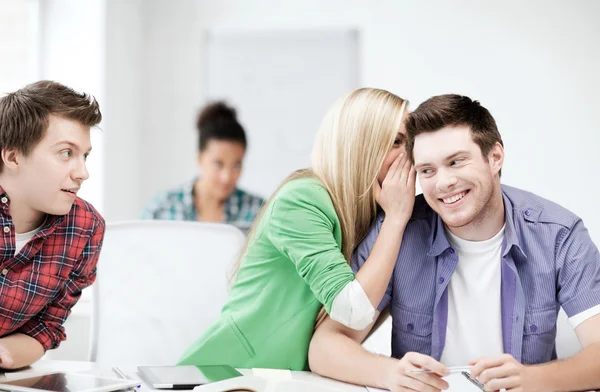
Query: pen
[(452, 369), (474, 381), (122, 375)]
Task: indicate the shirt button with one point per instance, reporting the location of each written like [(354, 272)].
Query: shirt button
[(527, 212), (4, 271), (451, 250), (4, 200), (533, 328), (441, 280), (6, 229), (410, 326)]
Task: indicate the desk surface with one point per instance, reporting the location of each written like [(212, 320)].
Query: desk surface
[(45, 366)]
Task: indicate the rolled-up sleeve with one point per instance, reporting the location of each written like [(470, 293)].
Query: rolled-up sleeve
[(47, 326), (352, 307), (578, 263), (300, 228)]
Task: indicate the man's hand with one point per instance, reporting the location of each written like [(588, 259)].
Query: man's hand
[(6, 358), (400, 381), (503, 372)]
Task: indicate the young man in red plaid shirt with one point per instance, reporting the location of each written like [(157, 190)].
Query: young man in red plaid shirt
[(50, 239)]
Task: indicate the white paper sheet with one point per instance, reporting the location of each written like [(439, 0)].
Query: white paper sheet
[(458, 383)]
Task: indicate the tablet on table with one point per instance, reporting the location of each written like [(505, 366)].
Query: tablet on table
[(67, 382)]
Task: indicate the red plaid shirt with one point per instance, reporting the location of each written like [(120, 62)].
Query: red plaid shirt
[(40, 285)]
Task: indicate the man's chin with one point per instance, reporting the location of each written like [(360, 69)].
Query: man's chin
[(455, 220), (62, 210)]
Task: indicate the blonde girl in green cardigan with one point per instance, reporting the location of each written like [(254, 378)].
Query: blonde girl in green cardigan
[(295, 265)]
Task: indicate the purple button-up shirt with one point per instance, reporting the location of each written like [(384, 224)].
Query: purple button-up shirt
[(548, 261)]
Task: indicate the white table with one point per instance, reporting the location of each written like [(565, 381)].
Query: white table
[(46, 366)]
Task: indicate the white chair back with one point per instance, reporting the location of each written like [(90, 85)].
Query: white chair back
[(159, 285)]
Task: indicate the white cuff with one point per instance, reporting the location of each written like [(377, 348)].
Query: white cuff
[(581, 317), (352, 307)]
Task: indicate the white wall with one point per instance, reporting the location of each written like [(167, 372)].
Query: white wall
[(533, 64), (123, 109), (272, 80), (72, 42), (172, 93), (19, 44)]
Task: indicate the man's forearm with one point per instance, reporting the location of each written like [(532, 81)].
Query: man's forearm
[(24, 349), (337, 356), (581, 372)]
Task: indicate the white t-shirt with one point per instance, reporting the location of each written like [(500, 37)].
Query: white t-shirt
[(22, 239), (474, 309)]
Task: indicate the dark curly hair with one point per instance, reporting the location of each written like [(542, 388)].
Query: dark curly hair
[(217, 121)]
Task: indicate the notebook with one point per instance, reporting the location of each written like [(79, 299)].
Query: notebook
[(274, 380)]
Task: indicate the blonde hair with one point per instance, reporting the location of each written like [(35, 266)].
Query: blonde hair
[(354, 139), (351, 145)]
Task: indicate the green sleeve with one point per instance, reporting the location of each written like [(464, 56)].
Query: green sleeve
[(301, 227)]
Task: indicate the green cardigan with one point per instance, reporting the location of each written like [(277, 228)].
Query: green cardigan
[(292, 266)]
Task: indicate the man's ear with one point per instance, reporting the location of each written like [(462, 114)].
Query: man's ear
[(11, 158), (496, 157)]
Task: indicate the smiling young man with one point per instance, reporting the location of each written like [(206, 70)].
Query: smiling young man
[(480, 279), (50, 239)]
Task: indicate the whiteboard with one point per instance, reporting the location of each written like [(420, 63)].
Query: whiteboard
[(281, 83)]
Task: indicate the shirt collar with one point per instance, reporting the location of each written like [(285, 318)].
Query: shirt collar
[(511, 239), (4, 204), (439, 242), (47, 227)]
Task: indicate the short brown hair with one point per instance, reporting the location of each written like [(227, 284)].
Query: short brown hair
[(24, 114), (453, 110)]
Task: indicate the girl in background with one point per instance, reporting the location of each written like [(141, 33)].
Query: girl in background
[(214, 195)]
